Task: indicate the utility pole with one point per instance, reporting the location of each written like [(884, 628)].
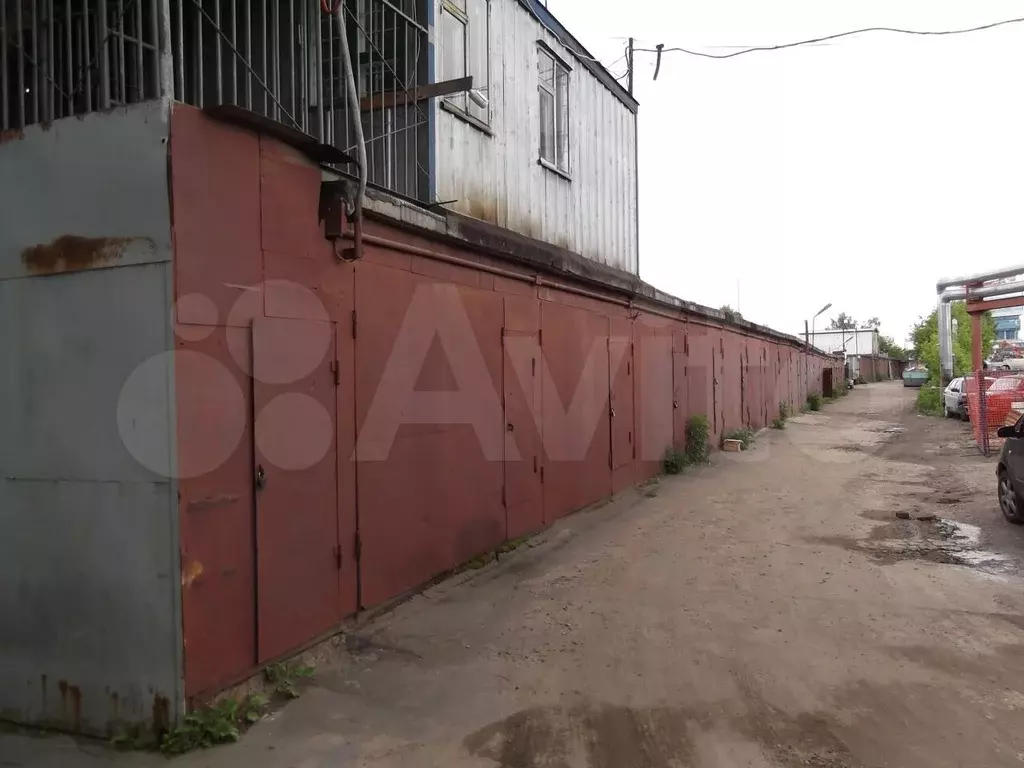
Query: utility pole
[(629, 67)]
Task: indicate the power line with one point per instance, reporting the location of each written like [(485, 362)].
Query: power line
[(576, 52), (660, 49)]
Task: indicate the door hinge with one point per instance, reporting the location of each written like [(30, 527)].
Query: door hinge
[(503, 335), (355, 324), (609, 459), (542, 474), (338, 558), (336, 370), (540, 337), (504, 498), (534, 465), (357, 547)]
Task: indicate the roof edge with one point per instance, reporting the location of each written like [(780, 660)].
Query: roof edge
[(552, 260), (587, 59)]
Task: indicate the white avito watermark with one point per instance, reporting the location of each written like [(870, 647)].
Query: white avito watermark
[(293, 430)]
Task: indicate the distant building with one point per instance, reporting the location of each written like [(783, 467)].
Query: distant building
[(862, 341), (1007, 323)]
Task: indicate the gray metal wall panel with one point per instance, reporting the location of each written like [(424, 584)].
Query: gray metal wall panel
[(88, 637), (101, 178), (69, 343), (89, 581)]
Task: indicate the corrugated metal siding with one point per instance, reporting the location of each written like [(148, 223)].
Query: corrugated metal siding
[(88, 538), (497, 177)]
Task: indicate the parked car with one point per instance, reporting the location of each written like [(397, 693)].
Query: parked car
[(1000, 363), (1010, 472), (1002, 393), (967, 388), (955, 398)]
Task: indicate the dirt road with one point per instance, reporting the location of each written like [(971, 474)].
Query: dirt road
[(769, 610)]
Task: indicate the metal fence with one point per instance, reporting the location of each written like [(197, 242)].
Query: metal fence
[(993, 399), (68, 57), (278, 58)]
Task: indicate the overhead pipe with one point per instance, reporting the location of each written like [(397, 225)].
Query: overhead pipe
[(949, 293), (981, 277)]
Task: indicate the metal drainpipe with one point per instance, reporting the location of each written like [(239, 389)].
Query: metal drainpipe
[(345, 72)]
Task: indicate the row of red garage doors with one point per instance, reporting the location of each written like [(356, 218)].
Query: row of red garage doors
[(484, 408), (482, 416)]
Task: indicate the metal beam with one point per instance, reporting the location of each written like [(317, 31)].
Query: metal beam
[(421, 93), (984, 306), (980, 277)]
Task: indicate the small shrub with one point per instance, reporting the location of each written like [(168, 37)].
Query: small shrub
[(219, 723), (929, 400), (860, 380), (814, 401), (779, 423), (285, 678), (745, 435), (697, 431), (673, 461), (783, 411)]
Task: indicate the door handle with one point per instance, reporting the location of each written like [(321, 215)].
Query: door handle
[(261, 477)]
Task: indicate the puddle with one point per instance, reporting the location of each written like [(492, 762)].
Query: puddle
[(936, 541)]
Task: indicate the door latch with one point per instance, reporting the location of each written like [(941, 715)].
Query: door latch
[(261, 477)]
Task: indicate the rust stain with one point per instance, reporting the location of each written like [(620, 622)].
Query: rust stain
[(212, 502), (76, 706), (45, 705), (161, 714), (71, 253), (15, 134), (63, 685), (190, 573)]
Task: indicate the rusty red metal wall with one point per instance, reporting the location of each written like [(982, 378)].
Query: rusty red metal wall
[(575, 406), (249, 256), (430, 495), (620, 401), (523, 377), (659, 396), (347, 432)]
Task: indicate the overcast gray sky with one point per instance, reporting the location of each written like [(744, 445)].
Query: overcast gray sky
[(857, 172)]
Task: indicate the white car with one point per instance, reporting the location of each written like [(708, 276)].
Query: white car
[(1007, 364), (955, 398)]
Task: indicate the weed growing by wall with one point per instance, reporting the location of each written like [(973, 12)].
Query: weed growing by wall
[(697, 432)]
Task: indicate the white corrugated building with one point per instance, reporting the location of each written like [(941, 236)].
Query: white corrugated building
[(544, 143), (862, 341)]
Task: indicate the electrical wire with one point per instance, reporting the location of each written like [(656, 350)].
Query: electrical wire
[(575, 51), (826, 38)]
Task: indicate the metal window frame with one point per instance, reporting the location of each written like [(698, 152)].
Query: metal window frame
[(450, 103), (557, 66)]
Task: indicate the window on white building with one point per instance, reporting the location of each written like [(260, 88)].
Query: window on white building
[(553, 90), (465, 52)]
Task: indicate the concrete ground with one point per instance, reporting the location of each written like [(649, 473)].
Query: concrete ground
[(769, 610)]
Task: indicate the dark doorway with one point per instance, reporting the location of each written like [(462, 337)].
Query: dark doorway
[(826, 382)]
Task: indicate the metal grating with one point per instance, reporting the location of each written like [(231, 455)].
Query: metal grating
[(278, 58), (68, 57)]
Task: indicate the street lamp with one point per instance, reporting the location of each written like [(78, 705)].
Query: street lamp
[(820, 311)]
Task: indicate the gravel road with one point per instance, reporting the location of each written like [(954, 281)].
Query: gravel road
[(768, 610)]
